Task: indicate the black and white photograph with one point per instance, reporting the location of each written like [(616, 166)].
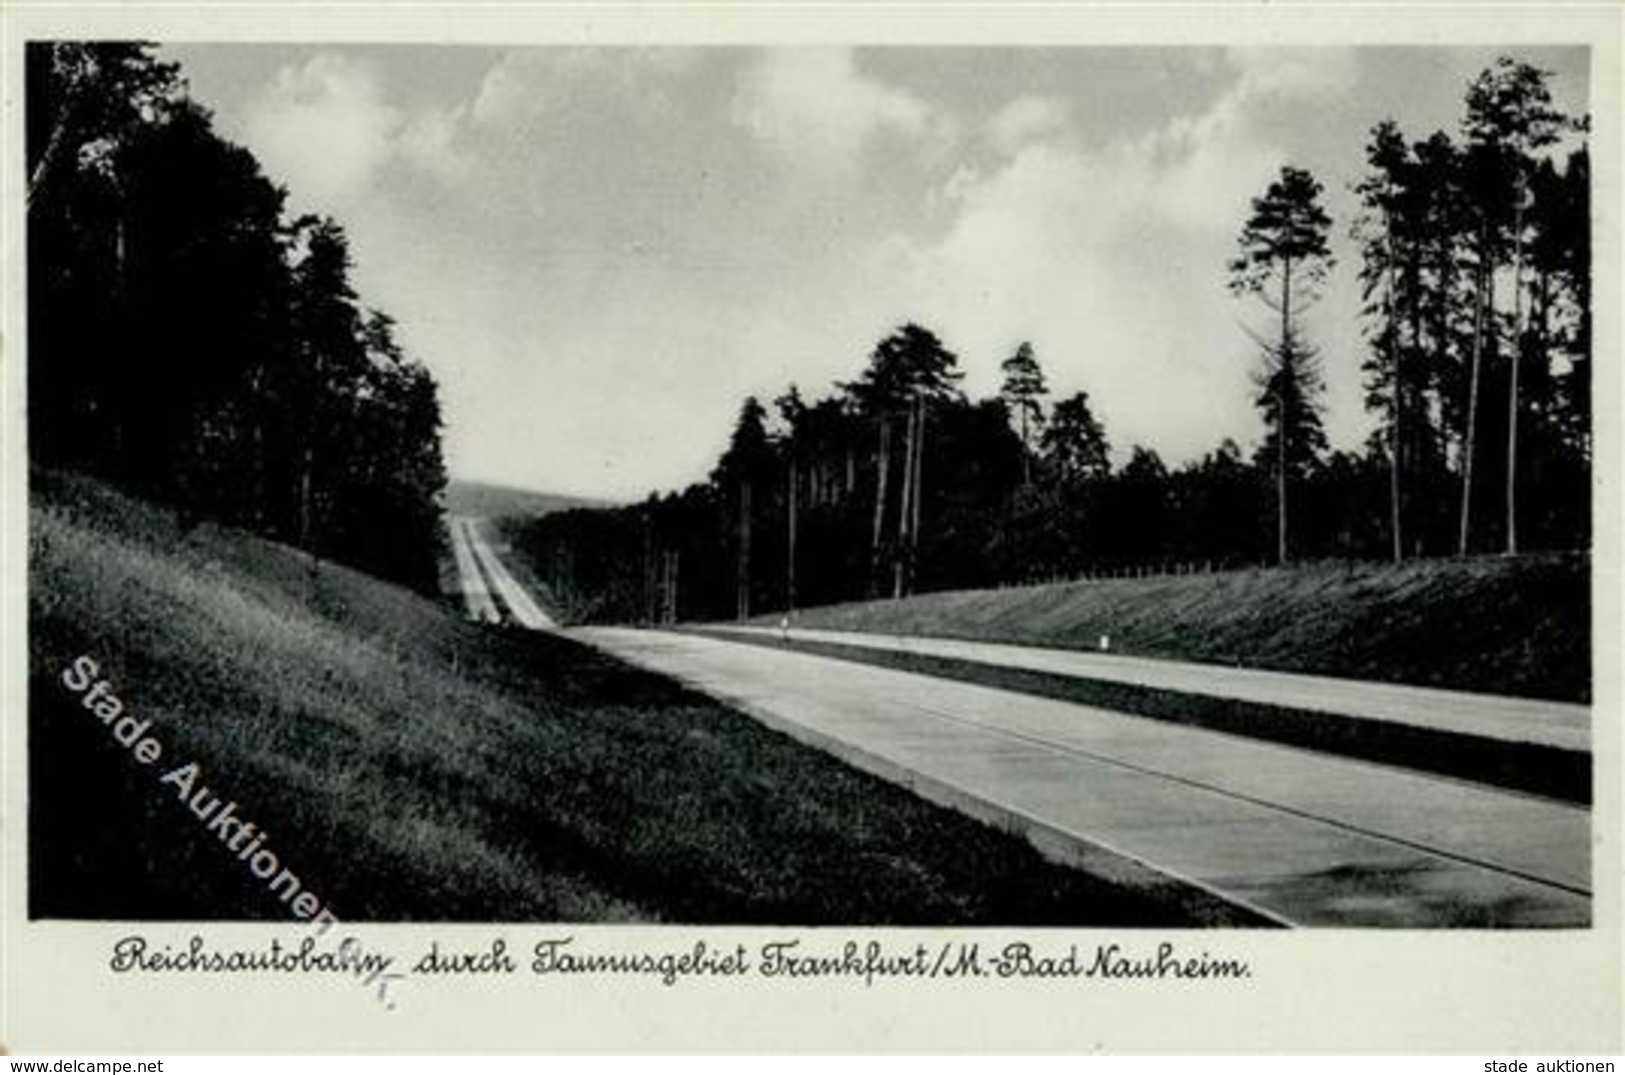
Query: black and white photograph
[(1086, 508)]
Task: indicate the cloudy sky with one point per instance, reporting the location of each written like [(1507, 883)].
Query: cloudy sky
[(599, 253)]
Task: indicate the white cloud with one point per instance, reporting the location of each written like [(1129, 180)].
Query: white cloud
[(431, 141), (1266, 70), (1075, 253), (1111, 260), (324, 128), (815, 107), (1024, 120), (527, 83), (514, 86)]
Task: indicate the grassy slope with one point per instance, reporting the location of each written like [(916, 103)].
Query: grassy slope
[(412, 766), (1513, 626)]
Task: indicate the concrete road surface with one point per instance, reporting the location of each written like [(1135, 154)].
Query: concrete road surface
[(1296, 836), (476, 595), (1518, 720), (515, 598), (1301, 837)]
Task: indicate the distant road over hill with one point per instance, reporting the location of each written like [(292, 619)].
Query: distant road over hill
[(483, 500)]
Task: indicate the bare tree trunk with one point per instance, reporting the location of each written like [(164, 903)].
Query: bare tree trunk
[(306, 465), (1280, 484), (882, 467), (790, 549), (1026, 455), (1516, 359), (668, 589), (307, 474), (1396, 417), (1281, 415), (1483, 290), (742, 583), (919, 496), (1396, 511), (1435, 394), (905, 512), (54, 146), (1416, 438), (648, 612)]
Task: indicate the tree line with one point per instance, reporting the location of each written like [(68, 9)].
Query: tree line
[(1475, 275), (1474, 270), (191, 341)]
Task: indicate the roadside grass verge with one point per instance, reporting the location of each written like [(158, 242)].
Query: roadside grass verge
[(412, 766), (1559, 774), (1504, 625)]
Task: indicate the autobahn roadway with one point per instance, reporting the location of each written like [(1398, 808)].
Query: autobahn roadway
[(476, 593), (524, 608), (1538, 721), (1295, 836)]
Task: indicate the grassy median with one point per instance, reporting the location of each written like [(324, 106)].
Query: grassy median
[(1543, 770)]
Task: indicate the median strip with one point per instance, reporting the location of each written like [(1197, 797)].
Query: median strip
[(1552, 772)]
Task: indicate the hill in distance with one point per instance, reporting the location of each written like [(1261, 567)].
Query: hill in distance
[(487, 500)]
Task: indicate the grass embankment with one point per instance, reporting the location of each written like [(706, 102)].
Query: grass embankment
[(411, 766), (1516, 625)]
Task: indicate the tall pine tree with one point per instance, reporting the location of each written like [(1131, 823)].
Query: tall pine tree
[(1283, 259)]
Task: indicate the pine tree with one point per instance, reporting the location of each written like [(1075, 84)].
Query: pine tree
[(1390, 277), (1509, 118), (1283, 259), (1023, 393), (1074, 443), (907, 371), (793, 413), (742, 469)]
